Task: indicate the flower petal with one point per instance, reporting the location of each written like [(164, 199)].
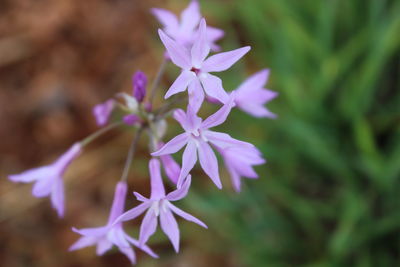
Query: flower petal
[(95, 231), (129, 253), (255, 81), (190, 17), (218, 117), (209, 163), (166, 18), (103, 246), (57, 197), (189, 159), (196, 95), (145, 248), (181, 83), (85, 241), (179, 54), (213, 87), (103, 111), (43, 187), (186, 215), (181, 192), (32, 174), (174, 145), (223, 140), (140, 197), (132, 213), (170, 227), (157, 186), (148, 226), (200, 48), (171, 168), (224, 61)]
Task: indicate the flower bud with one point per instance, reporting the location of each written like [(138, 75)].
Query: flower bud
[(139, 80), (131, 119)]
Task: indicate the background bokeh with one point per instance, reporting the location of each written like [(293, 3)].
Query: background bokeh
[(330, 192)]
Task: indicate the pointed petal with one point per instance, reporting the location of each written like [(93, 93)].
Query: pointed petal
[(214, 34), (103, 246), (148, 226), (186, 215), (224, 61), (179, 54), (174, 145), (166, 18), (32, 174), (145, 248), (57, 197), (209, 163), (129, 253), (42, 187), (85, 241), (170, 227), (256, 81), (171, 168), (189, 159), (118, 204), (95, 231), (190, 17), (181, 192), (132, 213), (200, 48), (223, 140), (140, 197), (157, 186), (218, 117), (181, 83), (213, 87), (257, 110), (196, 95), (235, 178)]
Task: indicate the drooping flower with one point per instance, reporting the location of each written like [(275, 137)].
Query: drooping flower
[(196, 68), (139, 81), (197, 138), (49, 179), (251, 97), (103, 111), (239, 161), (159, 206), (184, 31), (113, 233)]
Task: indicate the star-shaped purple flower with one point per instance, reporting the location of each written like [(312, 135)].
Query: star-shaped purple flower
[(159, 206), (49, 179), (196, 68), (184, 31), (251, 97), (113, 233)]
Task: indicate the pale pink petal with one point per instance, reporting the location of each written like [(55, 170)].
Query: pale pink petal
[(181, 83), (190, 17), (213, 87), (257, 110), (85, 241), (157, 186), (57, 197), (170, 227), (96, 231), (140, 197), (174, 145), (43, 187), (209, 163), (214, 34), (103, 246), (103, 111), (118, 204), (218, 117), (256, 81), (129, 253), (181, 192), (200, 48), (171, 168), (32, 175), (223, 140), (166, 18), (117, 236), (235, 178), (223, 61), (179, 54), (148, 226), (189, 159), (132, 213), (186, 215), (196, 95), (145, 248), (65, 160)]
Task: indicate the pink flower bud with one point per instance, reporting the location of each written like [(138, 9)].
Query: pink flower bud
[(139, 85)]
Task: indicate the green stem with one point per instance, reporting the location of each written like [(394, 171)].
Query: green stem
[(131, 154), (98, 133), (157, 80)]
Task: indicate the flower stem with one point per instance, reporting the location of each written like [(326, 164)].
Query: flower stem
[(98, 133), (157, 79), (131, 154)]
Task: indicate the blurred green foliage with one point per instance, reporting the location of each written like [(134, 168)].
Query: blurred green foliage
[(330, 192)]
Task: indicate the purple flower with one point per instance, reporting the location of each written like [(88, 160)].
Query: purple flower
[(113, 233), (197, 137), (131, 119), (139, 85), (251, 96), (239, 161), (184, 31), (171, 167), (103, 111), (159, 205), (195, 68), (49, 179)]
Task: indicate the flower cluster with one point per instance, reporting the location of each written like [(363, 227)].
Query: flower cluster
[(188, 43)]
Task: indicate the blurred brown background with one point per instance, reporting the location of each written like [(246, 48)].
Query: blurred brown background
[(57, 60)]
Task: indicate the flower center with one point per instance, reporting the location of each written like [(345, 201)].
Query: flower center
[(195, 70)]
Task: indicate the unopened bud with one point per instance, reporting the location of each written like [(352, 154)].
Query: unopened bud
[(139, 80)]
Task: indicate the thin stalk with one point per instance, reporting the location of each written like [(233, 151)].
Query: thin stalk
[(98, 133), (156, 81), (131, 154)]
